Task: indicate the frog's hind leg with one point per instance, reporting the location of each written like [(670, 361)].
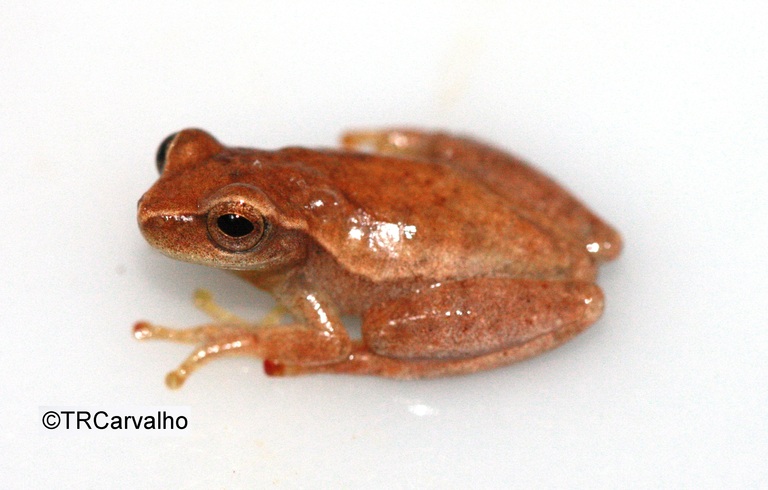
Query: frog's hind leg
[(464, 327), (535, 195), (395, 142), (363, 361)]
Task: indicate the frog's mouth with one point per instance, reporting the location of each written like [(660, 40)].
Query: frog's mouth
[(188, 237), (179, 236)]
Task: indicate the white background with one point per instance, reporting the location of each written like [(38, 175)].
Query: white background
[(654, 114)]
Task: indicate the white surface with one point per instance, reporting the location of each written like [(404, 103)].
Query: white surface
[(654, 114)]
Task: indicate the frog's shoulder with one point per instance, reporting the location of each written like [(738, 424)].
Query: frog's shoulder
[(388, 218)]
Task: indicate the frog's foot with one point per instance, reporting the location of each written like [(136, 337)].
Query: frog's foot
[(232, 335), (214, 341), (388, 142), (204, 302)]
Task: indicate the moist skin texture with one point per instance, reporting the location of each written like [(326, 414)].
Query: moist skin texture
[(458, 256)]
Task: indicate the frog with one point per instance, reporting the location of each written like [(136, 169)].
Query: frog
[(457, 256)]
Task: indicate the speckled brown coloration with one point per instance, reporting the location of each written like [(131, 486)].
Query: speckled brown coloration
[(458, 256)]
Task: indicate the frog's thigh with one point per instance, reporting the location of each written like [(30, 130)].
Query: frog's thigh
[(475, 317)]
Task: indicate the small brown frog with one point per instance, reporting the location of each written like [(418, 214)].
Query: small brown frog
[(458, 256)]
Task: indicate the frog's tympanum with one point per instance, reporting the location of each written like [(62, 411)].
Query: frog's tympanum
[(457, 256)]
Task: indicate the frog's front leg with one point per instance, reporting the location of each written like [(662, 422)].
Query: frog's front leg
[(467, 326), (321, 338)]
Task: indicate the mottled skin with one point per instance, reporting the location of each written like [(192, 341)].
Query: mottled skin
[(459, 257)]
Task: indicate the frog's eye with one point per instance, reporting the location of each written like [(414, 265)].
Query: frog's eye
[(236, 226), (162, 152)]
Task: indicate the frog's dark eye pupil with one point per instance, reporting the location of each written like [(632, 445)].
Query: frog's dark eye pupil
[(162, 152), (234, 225)]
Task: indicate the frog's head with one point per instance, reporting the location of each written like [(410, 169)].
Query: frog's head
[(208, 208)]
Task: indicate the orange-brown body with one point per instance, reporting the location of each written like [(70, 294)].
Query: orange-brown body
[(459, 257)]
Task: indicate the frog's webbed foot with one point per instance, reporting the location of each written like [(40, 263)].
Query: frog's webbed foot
[(228, 335), (396, 142)]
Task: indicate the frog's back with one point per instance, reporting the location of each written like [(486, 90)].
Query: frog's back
[(532, 193), (390, 218)]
